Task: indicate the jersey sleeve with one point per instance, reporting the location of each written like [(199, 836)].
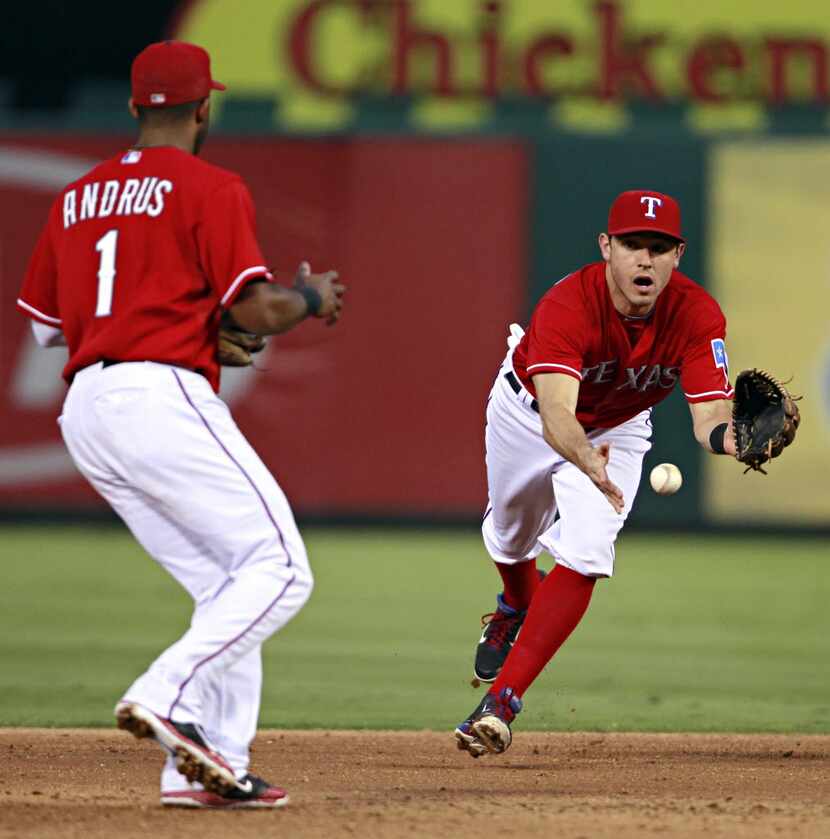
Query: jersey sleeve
[(557, 337), (39, 295), (704, 370), (228, 248)]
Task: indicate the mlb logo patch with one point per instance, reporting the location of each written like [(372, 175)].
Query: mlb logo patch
[(157, 98), (132, 156)]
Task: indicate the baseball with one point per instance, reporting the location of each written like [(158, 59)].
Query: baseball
[(666, 479)]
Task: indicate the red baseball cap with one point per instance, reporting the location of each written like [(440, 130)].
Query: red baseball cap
[(641, 210), (171, 73)]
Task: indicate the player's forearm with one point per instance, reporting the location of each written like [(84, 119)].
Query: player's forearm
[(708, 420), (564, 434), (269, 309), (704, 436)]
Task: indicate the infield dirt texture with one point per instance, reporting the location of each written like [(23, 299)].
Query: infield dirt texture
[(100, 784), (705, 635)]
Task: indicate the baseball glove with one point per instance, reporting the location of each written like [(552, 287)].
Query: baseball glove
[(765, 418), (236, 346)]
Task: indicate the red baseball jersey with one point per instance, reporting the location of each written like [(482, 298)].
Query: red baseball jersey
[(138, 258), (626, 365)]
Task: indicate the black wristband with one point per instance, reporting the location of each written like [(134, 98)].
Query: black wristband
[(716, 438), (312, 299)]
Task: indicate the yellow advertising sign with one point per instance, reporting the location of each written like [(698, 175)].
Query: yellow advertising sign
[(317, 56), (770, 271)]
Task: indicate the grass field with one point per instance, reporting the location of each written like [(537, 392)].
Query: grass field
[(711, 634)]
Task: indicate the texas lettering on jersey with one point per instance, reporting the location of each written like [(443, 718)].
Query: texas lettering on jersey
[(637, 378), (626, 366)]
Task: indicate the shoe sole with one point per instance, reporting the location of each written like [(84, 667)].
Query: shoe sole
[(493, 733), (191, 761), (469, 744), (189, 803)]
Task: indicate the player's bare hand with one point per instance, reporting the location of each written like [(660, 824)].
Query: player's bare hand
[(594, 463), (327, 286)]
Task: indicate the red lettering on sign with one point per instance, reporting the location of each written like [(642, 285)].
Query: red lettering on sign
[(543, 48), (780, 51), (623, 61), (709, 56), (423, 60), (299, 44), (408, 38)]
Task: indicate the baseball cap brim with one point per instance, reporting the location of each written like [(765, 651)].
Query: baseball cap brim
[(623, 231)]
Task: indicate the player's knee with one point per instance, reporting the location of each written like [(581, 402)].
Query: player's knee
[(305, 585), (510, 543), (301, 569), (290, 589), (590, 558)]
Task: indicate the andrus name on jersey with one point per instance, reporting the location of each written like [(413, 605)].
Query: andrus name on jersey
[(636, 378), (121, 198)]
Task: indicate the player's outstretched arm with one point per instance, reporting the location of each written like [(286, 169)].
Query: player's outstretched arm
[(267, 309), (557, 395), (706, 417)]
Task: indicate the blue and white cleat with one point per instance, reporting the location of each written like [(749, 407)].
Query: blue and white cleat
[(487, 729), (500, 631)]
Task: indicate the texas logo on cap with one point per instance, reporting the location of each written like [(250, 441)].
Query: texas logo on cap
[(171, 73), (640, 210)]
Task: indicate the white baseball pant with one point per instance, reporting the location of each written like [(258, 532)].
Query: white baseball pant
[(528, 482), (163, 450)]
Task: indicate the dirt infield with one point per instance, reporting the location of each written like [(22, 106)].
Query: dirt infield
[(102, 784)]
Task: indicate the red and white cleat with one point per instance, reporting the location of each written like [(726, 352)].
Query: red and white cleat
[(253, 794), (194, 757)]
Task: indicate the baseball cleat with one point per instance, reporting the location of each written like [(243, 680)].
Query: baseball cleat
[(465, 739), (194, 757), (487, 729), (501, 629), (260, 796)]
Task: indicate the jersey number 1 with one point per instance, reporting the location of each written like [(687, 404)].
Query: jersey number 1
[(106, 272)]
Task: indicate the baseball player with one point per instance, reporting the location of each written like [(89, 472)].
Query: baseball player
[(568, 425), (137, 263)]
